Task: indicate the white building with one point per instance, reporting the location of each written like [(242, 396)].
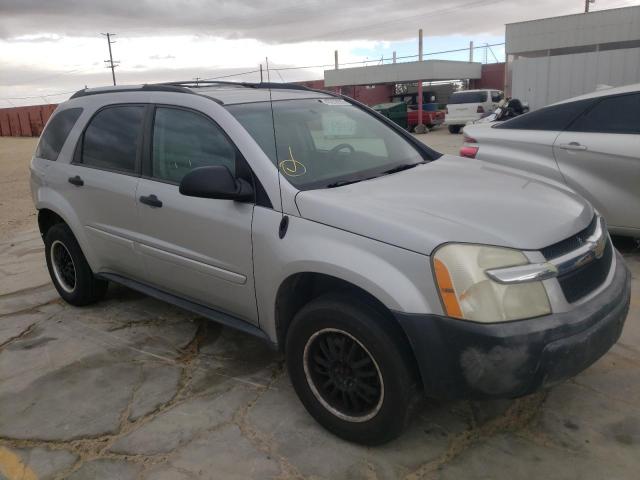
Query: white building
[(557, 58)]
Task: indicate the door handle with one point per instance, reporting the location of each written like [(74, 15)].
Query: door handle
[(77, 181), (572, 146), (151, 200)]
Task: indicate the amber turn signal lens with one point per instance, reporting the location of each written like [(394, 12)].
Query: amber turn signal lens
[(447, 293)]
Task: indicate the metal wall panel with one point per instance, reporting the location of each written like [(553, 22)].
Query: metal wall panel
[(545, 80), (615, 25)]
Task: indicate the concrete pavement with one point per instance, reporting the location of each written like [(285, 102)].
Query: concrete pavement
[(132, 388)]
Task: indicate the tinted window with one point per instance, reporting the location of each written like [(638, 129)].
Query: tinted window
[(554, 118), (468, 97), (56, 133), (111, 139), (184, 140), (496, 96), (619, 114)]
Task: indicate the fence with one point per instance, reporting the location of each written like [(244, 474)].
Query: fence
[(24, 121)]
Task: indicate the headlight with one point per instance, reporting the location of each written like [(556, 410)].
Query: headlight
[(468, 293)]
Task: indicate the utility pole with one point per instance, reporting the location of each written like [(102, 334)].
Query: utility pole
[(586, 5), (260, 73), (110, 63), (197, 79), (420, 81)]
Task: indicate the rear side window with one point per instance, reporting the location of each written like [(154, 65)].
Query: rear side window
[(184, 140), (56, 133), (468, 97), (554, 118), (620, 114), (496, 96), (112, 137)]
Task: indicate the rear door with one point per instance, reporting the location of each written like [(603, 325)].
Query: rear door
[(100, 185), (599, 156), (196, 248)]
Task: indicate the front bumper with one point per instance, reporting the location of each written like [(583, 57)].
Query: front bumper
[(462, 359)]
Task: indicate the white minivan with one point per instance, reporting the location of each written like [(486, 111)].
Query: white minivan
[(470, 105)]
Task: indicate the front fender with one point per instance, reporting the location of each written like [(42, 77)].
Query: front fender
[(398, 278)]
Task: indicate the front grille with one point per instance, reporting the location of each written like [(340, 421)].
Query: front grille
[(569, 244), (585, 279)]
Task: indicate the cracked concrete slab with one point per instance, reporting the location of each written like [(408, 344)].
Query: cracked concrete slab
[(106, 470), (42, 462), (134, 388), (182, 423)]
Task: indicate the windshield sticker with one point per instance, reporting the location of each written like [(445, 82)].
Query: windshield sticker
[(334, 101), (292, 167), (336, 124)]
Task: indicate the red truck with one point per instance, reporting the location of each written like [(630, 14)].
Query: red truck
[(429, 118)]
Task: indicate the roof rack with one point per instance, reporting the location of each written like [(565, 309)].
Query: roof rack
[(151, 87), (207, 83)]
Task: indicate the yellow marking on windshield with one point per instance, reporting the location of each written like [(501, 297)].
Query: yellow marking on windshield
[(292, 167)]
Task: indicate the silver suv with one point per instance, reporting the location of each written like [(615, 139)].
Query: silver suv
[(383, 270)]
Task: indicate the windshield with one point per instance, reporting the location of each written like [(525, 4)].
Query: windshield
[(325, 142)]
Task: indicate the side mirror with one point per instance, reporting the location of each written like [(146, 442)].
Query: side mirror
[(215, 182)]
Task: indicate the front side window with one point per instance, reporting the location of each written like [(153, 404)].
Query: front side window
[(184, 140), (620, 114), (112, 137), (56, 133), (322, 142), (553, 118), (496, 96)]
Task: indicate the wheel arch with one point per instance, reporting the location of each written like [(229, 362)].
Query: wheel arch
[(300, 288)]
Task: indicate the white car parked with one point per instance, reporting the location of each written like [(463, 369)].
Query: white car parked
[(591, 143), (469, 106)]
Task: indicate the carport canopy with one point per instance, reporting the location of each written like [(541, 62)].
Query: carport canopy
[(427, 71)]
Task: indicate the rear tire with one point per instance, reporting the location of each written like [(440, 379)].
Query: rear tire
[(454, 129), (69, 270), (350, 368)]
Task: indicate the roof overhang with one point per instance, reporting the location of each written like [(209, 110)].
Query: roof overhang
[(427, 71)]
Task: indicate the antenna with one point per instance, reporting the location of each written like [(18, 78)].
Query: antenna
[(283, 222)]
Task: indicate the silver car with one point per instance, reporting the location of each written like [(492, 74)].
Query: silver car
[(383, 270), (591, 143)]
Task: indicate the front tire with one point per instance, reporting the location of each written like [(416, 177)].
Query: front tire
[(454, 129), (349, 366), (68, 268)]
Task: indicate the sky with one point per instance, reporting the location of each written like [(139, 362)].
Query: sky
[(49, 48)]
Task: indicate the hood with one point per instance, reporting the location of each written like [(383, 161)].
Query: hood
[(452, 199)]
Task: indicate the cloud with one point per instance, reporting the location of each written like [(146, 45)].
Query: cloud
[(283, 22)]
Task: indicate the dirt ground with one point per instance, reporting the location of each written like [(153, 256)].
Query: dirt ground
[(16, 207)]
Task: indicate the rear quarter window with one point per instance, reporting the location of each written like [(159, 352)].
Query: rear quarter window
[(467, 97), (56, 133), (553, 118)]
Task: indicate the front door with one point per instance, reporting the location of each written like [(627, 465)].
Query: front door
[(196, 248)]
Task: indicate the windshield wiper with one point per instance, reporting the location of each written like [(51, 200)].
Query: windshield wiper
[(400, 168), (341, 183)]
